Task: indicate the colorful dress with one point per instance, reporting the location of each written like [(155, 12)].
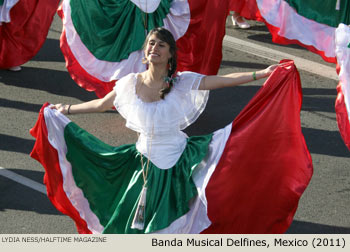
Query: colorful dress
[(192, 181), (24, 25), (102, 39)]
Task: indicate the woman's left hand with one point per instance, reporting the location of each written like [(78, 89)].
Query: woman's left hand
[(267, 71)]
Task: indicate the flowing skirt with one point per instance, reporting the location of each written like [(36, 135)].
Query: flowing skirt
[(25, 30), (247, 177)]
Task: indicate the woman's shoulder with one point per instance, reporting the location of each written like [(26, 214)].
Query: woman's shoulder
[(125, 88), (188, 80), (125, 81), (188, 74), (129, 76)]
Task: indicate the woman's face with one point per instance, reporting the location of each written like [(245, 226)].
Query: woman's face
[(157, 51)]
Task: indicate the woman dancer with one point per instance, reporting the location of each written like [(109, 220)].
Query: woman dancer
[(158, 184)]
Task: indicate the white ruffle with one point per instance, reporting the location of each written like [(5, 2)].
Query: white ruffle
[(180, 108), (5, 10)]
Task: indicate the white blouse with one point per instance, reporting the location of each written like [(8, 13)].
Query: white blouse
[(160, 123)]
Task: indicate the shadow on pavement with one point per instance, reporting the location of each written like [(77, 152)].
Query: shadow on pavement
[(267, 39), (50, 51), (222, 108), (51, 81), (20, 105), (240, 64), (325, 142), (27, 199), (319, 99), (16, 144)]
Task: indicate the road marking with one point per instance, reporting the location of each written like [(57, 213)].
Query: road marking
[(22, 180), (274, 55)]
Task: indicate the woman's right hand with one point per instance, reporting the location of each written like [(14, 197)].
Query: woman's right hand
[(63, 108)]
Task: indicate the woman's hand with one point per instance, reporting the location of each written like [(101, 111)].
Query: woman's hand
[(63, 108), (267, 71)]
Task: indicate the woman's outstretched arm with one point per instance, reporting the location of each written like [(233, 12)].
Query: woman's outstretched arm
[(97, 105), (211, 82)]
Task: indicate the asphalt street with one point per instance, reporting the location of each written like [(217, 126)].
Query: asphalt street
[(324, 207)]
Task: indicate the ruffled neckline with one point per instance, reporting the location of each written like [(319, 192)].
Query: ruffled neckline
[(180, 107)]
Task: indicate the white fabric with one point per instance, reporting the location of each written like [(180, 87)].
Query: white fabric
[(160, 123), (147, 6), (337, 5), (55, 123), (342, 38), (194, 221), (294, 26), (5, 9), (177, 22)]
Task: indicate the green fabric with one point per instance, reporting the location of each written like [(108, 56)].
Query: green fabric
[(111, 180), (349, 45), (1, 2), (323, 11), (112, 29)]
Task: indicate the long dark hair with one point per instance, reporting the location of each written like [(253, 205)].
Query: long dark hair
[(166, 36)]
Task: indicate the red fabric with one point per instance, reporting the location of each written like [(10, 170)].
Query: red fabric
[(249, 10), (342, 114), (80, 76), (199, 50), (266, 165), (22, 38), (284, 41), (342, 117), (48, 157), (78, 73)]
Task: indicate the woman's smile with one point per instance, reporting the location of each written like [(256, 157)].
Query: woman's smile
[(157, 50)]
